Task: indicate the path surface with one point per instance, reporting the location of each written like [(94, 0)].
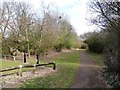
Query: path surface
[(87, 73)]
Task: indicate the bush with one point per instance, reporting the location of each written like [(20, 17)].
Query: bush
[(112, 59), (58, 48), (5, 49), (95, 43), (83, 46), (112, 78)]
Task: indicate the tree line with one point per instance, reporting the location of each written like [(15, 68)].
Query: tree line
[(107, 40), (23, 29)]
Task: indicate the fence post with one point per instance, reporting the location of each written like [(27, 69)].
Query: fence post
[(14, 58), (20, 70), (37, 59), (34, 68), (54, 66), (24, 56), (4, 56)]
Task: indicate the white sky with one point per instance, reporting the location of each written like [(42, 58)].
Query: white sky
[(76, 11)]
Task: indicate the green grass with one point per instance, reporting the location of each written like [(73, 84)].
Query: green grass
[(98, 58), (67, 64), (10, 63)]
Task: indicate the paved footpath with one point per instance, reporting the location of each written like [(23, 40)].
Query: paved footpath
[(87, 73)]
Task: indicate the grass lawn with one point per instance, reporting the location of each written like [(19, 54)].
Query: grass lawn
[(10, 63), (67, 64)]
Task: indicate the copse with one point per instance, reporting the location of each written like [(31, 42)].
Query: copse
[(26, 30)]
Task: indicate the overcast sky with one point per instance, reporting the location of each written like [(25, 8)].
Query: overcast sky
[(76, 11)]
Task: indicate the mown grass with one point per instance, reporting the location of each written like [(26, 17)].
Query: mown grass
[(10, 63), (67, 64)]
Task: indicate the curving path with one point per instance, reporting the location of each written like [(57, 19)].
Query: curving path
[(87, 73)]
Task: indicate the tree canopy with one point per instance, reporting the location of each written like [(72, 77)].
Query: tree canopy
[(22, 29)]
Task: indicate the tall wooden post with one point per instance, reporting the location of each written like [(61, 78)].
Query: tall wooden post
[(24, 56), (37, 58)]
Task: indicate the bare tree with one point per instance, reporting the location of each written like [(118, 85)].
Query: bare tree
[(16, 18), (108, 18)]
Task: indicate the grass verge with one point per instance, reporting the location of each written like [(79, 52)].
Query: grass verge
[(67, 64), (98, 58)]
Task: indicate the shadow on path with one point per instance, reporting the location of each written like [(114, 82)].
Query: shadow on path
[(87, 73)]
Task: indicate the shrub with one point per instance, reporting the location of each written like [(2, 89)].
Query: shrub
[(83, 46), (58, 48), (95, 43), (112, 59)]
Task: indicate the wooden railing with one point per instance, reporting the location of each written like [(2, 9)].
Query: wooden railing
[(27, 66)]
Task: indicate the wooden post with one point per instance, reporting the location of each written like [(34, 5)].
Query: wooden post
[(54, 66), (20, 70), (5, 56), (24, 56), (14, 58), (37, 59), (34, 68)]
